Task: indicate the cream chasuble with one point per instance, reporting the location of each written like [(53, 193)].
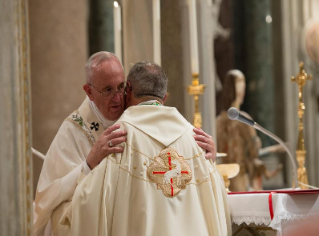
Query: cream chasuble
[(160, 185), (62, 169)]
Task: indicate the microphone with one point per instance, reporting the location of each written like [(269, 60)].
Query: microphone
[(234, 114)]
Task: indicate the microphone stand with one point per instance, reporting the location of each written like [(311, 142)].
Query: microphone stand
[(271, 135)]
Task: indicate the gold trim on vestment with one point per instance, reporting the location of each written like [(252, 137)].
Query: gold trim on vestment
[(114, 161), (146, 180), (134, 176), (195, 182), (153, 158), (85, 130)]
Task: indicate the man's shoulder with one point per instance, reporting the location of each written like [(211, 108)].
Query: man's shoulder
[(71, 124), (75, 118), (148, 111), (74, 126), (164, 124)]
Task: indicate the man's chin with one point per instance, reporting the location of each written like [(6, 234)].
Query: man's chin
[(115, 113)]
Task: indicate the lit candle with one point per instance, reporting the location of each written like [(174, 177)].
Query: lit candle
[(117, 30), (193, 35), (157, 31)]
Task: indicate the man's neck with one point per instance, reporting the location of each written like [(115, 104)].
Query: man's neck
[(136, 101)]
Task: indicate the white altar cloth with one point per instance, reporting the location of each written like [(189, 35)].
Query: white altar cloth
[(287, 208)]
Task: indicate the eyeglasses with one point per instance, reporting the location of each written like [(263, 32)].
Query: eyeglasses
[(109, 92)]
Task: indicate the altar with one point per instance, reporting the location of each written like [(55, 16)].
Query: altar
[(278, 212)]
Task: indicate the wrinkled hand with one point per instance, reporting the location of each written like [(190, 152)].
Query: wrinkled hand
[(102, 146), (206, 142)]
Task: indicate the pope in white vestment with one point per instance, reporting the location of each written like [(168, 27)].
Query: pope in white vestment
[(82, 141), (65, 166), (160, 185)]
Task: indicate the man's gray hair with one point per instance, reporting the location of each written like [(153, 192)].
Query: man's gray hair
[(93, 64), (148, 79)]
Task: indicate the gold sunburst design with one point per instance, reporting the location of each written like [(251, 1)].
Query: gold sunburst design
[(170, 172)]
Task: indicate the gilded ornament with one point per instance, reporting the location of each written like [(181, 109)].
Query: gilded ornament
[(170, 172)]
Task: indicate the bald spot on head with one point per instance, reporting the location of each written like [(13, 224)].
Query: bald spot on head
[(95, 62)]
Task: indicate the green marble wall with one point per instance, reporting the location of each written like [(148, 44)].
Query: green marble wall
[(101, 29), (254, 56)]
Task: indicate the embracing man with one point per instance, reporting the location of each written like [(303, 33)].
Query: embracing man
[(161, 184), (84, 139)]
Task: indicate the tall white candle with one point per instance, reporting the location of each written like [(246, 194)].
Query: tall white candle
[(117, 16), (157, 31), (193, 35)]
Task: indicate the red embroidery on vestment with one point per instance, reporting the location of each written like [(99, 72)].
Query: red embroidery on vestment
[(170, 172)]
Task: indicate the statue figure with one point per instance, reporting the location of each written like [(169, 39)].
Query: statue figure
[(239, 140)]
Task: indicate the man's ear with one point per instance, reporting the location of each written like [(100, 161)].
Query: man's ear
[(128, 94), (165, 97), (88, 91)]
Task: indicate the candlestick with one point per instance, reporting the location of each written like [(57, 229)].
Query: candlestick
[(193, 36), (301, 80), (157, 31), (196, 89), (117, 30)]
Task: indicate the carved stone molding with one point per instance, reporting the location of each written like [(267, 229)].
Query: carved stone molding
[(15, 121)]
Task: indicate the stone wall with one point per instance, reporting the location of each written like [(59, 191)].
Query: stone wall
[(59, 50)]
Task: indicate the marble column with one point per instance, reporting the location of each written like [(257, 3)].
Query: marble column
[(256, 60), (312, 103), (295, 17), (172, 52), (58, 53), (101, 29), (207, 64), (188, 101), (137, 32), (15, 120), (176, 59)]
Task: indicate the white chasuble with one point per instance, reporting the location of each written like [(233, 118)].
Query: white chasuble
[(62, 168), (160, 185)]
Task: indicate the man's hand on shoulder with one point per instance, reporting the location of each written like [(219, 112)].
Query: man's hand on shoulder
[(206, 142), (105, 145)]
